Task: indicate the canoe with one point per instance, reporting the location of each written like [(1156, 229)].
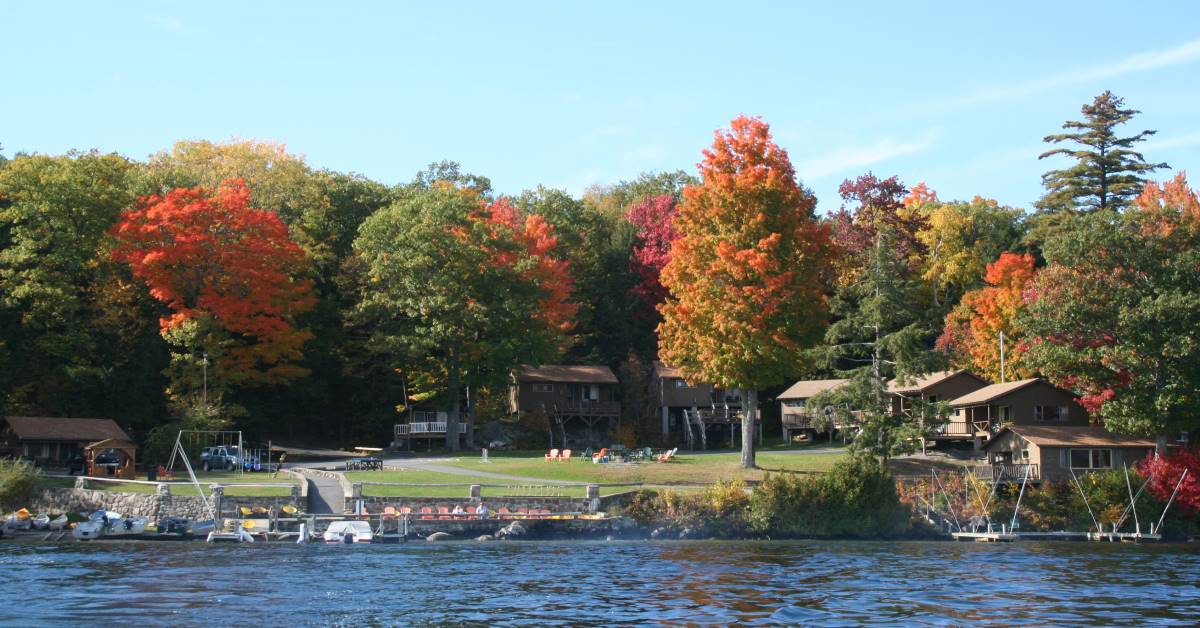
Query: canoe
[(41, 521), (58, 523)]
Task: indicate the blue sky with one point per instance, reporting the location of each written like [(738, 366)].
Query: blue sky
[(570, 94)]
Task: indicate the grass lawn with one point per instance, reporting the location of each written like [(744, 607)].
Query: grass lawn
[(687, 469), (492, 487)]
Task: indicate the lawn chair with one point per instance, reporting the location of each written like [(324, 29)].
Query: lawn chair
[(504, 513), (602, 456), (667, 456), (566, 455), (427, 513), (245, 510), (553, 455), (405, 511), (647, 453), (444, 513), (389, 512), (587, 454)]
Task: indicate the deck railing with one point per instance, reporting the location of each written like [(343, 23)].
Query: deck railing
[(589, 408), (1009, 472), (426, 427), (958, 429)]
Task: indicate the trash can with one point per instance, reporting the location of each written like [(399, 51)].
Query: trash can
[(152, 473)]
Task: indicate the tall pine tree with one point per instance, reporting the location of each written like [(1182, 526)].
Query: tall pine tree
[(1108, 173)]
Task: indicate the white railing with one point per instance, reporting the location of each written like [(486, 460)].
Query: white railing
[(427, 427)]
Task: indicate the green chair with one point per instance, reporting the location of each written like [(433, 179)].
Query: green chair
[(587, 455)]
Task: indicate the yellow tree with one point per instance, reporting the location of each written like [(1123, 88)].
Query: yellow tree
[(744, 296)]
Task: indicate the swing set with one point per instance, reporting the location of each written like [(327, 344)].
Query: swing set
[(214, 449)]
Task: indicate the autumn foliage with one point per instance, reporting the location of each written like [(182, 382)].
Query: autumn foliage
[(207, 255), (653, 216), (972, 333), (1164, 472), (743, 274)]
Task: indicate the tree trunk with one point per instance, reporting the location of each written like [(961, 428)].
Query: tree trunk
[(1160, 445), (453, 388), (749, 413)]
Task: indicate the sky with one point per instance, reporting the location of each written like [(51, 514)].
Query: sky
[(570, 94)]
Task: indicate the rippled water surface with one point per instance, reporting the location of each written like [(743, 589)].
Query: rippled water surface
[(835, 583)]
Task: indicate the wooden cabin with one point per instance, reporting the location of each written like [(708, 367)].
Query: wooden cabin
[(1035, 401), (568, 394), (1053, 452), (795, 413), (427, 422), (53, 441), (935, 387), (678, 400)]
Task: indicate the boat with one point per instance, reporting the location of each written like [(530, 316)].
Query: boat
[(58, 523), (19, 520), (132, 526), (88, 530), (347, 532), (41, 522)]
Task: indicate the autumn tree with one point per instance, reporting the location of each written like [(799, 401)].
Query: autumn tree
[(870, 204), (653, 217), (1108, 173), (971, 336), (961, 239), (461, 287), (743, 303), (1114, 314), (230, 278)]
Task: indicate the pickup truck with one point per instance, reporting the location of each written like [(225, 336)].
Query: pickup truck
[(220, 457)]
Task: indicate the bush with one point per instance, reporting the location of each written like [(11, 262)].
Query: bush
[(857, 498), (17, 481)]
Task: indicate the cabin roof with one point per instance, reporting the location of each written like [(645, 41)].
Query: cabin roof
[(994, 391), (65, 429), (929, 380), (583, 374), (1070, 436), (807, 388)]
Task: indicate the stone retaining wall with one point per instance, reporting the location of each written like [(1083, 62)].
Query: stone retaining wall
[(153, 506)]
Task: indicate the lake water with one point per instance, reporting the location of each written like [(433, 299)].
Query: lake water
[(835, 583)]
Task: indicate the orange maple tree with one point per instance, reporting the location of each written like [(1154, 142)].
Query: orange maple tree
[(973, 327), (743, 277), (209, 257)]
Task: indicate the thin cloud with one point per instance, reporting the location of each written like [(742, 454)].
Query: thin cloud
[(1140, 62), (844, 159), (1171, 142)]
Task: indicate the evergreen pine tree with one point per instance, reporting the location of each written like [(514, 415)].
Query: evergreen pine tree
[(1108, 173)]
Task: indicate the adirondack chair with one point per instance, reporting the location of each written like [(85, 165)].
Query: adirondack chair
[(427, 513), (553, 455), (587, 454), (667, 456), (565, 456), (601, 456)]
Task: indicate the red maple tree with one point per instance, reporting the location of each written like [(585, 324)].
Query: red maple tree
[(1164, 472), (653, 216), (209, 255)]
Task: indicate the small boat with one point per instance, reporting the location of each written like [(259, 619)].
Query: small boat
[(18, 521), (41, 522), (88, 530), (201, 528), (132, 526), (347, 532), (57, 523)]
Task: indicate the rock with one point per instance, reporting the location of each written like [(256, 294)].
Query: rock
[(437, 536), (608, 538), (485, 537), (512, 530), (657, 532), (685, 533)]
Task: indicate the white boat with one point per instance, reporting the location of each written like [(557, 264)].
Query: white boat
[(88, 530), (58, 523), (349, 532), (41, 521), (133, 526), (16, 522)]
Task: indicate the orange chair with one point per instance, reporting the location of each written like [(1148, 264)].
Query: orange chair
[(427, 513), (566, 455), (602, 456), (504, 513), (553, 455), (444, 513), (667, 456), (389, 512), (405, 510)]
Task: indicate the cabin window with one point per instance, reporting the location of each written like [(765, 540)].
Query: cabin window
[(1049, 413), (591, 392), (1002, 414), (1091, 458), (543, 388), (794, 403), (679, 383), (1023, 455), (931, 399)]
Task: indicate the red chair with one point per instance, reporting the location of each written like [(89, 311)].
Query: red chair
[(553, 455), (427, 513)]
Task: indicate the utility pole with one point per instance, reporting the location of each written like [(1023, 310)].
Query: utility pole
[(204, 365), (1002, 379)]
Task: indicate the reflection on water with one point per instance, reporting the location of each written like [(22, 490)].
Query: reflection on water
[(836, 583)]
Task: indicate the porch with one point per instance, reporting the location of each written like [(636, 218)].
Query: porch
[(1007, 472)]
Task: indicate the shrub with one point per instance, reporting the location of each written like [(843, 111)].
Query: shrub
[(17, 481), (1164, 473)]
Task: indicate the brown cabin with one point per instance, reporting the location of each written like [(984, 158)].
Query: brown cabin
[(566, 391), (980, 413), (1053, 452), (932, 388), (53, 441), (674, 394), (794, 411)]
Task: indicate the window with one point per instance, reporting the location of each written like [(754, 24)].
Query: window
[(931, 399), (1091, 458), (794, 403), (543, 388), (1049, 413), (679, 383), (1002, 414)]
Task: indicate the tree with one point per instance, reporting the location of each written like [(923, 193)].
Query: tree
[(742, 302), (653, 217), (54, 213), (880, 205), (1107, 173), (461, 288), (1114, 314), (1163, 474), (230, 278), (881, 331), (972, 332), (961, 238)]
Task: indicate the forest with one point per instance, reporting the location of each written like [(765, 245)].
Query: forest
[(231, 284)]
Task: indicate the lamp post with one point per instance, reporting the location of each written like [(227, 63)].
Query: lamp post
[(204, 365)]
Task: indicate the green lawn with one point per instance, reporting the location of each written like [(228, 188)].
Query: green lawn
[(491, 487)]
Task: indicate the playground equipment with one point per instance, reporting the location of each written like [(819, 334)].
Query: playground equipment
[(195, 444)]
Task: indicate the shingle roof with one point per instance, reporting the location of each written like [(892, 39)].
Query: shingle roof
[(988, 393), (65, 429), (928, 380), (1072, 436), (564, 373), (807, 388)]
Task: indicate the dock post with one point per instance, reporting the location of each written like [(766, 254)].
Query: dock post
[(593, 497), (475, 492)]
